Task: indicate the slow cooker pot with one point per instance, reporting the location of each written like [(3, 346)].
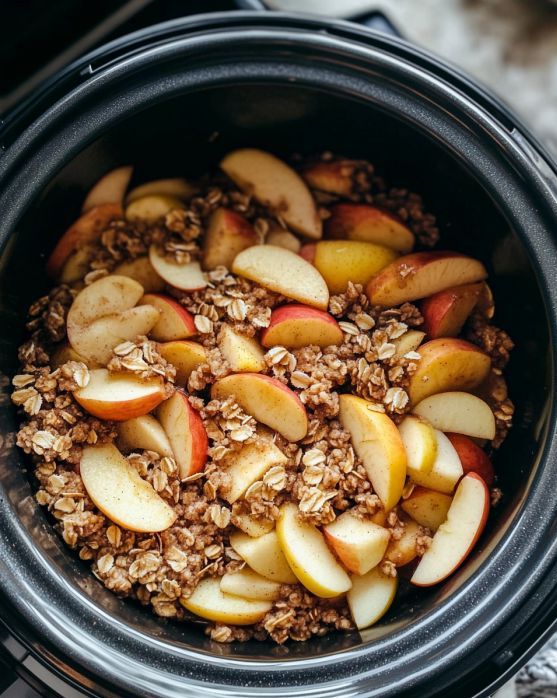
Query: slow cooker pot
[(172, 100)]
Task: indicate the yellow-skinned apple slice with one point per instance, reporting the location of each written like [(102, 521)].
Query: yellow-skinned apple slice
[(264, 555), (116, 488), (420, 444), (228, 233), (377, 442), (283, 238), (110, 189), (371, 597), (448, 364), (284, 272), (409, 341), (209, 601), (456, 537), (242, 353), (308, 555), (152, 208), (143, 432), (427, 507), (334, 177), (175, 322), (177, 187), (84, 231), (253, 526), (267, 400), (186, 277), (359, 544), (247, 465), (369, 224), (446, 470), (342, 261), (186, 433), (473, 458), (296, 326), (401, 551), (185, 356), (446, 312), (249, 585), (275, 185), (141, 270), (421, 274), (458, 412), (119, 396)]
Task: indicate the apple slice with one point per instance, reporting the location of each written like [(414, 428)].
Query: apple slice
[(253, 526), (284, 272), (264, 555), (152, 208), (186, 433), (84, 231), (371, 597), (275, 185), (77, 265), (446, 312), (460, 412), (209, 601), (283, 238), (334, 177), (267, 400), (309, 556), (446, 470), (421, 274), (358, 544), (377, 442), (177, 187), (185, 356), (342, 261), (65, 353), (448, 364), (119, 396), (116, 488), (427, 507), (186, 277), (296, 326), (228, 233), (420, 444), (141, 270), (473, 458), (110, 189), (247, 465), (369, 224), (242, 353), (175, 322), (249, 585), (402, 551), (143, 432), (456, 537), (409, 341)]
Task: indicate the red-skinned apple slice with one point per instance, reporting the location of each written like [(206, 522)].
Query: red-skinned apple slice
[(284, 272), (336, 177), (141, 270), (152, 208), (275, 185), (446, 470), (185, 356), (473, 458), (371, 597), (228, 233), (268, 400), (446, 312), (427, 507), (359, 545), (143, 432), (110, 189), (116, 488), (177, 187), (247, 465), (119, 396), (186, 433), (209, 601), (186, 277), (175, 322), (456, 537), (369, 224), (242, 353), (296, 326), (458, 412), (421, 274)]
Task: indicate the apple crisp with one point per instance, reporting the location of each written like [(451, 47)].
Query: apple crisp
[(244, 396)]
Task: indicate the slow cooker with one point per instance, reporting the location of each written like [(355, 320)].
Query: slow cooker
[(173, 99)]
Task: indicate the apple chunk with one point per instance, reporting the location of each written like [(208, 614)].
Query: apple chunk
[(252, 525), (377, 442), (448, 364), (152, 208), (427, 507), (175, 322), (247, 465), (296, 326), (110, 189), (369, 224), (275, 185), (446, 312), (459, 412), (77, 265), (264, 555), (249, 585), (186, 277), (119, 396), (401, 551), (473, 458), (141, 270), (456, 537), (283, 238), (177, 187), (421, 274), (309, 556), (371, 597), (446, 470), (186, 433), (267, 400), (420, 444), (209, 601), (334, 177), (185, 356), (359, 545), (143, 432), (242, 353), (284, 272), (409, 341), (116, 488), (228, 233)]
